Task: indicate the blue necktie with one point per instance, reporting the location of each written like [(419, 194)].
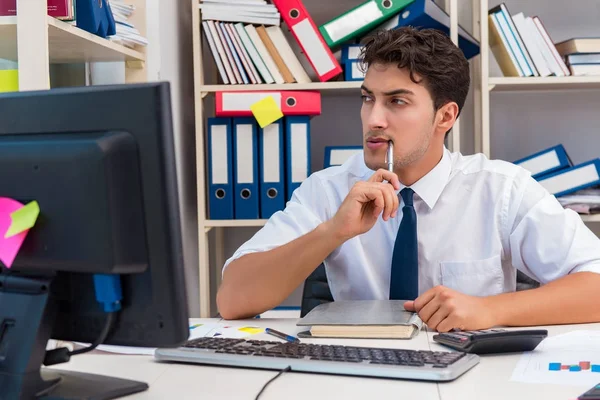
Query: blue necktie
[(404, 283)]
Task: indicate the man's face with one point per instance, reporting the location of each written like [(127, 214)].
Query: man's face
[(397, 109)]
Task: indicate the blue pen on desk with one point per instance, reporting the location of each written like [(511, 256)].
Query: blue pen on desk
[(282, 335)]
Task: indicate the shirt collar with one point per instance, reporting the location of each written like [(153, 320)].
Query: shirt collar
[(430, 187)]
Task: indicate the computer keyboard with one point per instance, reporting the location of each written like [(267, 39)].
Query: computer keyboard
[(322, 358)]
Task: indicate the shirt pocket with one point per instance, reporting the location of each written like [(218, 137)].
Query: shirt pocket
[(476, 278)]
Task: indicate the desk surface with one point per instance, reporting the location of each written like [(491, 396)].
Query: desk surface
[(488, 380)]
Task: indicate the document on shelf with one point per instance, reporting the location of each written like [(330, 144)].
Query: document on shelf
[(569, 359)]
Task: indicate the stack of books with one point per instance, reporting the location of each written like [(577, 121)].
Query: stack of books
[(249, 45), (522, 46), (582, 55), (253, 41)]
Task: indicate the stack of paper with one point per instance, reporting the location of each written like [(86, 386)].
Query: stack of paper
[(127, 34)]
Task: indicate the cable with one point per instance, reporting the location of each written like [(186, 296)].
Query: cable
[(110, 319), (286, 369), (108, 293)]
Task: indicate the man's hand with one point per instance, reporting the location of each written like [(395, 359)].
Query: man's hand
[(444, 309), (365, 202)]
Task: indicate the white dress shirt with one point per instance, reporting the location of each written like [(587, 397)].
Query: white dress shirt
[(478, 220)]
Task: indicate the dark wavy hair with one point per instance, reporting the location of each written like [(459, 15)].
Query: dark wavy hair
[(430, 57)]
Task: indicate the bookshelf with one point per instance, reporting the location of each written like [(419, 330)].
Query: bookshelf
[(203, 92), (500, 84), (67, 44), (488, 85), (36, 40), (338, 86)]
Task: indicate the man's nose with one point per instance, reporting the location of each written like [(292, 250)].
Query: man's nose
[(377, 118)]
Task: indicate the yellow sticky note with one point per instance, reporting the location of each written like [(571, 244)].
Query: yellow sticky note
[(251, 330), (22, 219), (266, 111), (9, 80)]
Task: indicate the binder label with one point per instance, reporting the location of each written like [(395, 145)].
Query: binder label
[(271, 154), (299, 136), (571, 179), (348, 23), (541, 163), (313, 46), (356, 72), (218, 149), (338, 157), (243, 101), (244, 156)]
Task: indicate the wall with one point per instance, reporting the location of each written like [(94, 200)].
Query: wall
[(174, 20)]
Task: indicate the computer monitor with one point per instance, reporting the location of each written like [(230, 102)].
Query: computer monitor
[(100, 162)]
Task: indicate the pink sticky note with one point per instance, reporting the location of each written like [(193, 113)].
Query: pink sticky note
[(9, 247)]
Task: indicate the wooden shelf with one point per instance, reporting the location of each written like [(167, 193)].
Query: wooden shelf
[(591, 218), (498, 84), (67, 44), (232, 223), (333, 87)]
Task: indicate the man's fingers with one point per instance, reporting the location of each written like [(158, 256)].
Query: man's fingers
[(425, 298), (440, 315), (446, 325), (384, 175), (388, 195), (427, 311), (383, 197), (374, 194), (409, 305)]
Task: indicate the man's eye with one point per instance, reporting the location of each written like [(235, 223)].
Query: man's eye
[(365, 98), (398, 101)]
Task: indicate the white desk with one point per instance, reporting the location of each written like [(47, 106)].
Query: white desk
[(488, 380)]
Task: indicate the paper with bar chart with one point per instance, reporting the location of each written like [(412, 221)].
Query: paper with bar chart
[(569, 359)]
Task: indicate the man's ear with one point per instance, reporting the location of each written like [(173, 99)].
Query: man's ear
[(445, 117)]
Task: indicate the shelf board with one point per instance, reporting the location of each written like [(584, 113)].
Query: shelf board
[(590, 218), (233, 223), (498, 84), (67, 44), (327, 86)]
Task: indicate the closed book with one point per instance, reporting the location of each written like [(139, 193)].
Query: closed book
[(578, 45), (281, 65), (372, 319), (501, 49)]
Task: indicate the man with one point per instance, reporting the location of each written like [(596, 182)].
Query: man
[(445, 230)]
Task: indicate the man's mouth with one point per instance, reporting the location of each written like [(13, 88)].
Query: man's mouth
[(377, 142)]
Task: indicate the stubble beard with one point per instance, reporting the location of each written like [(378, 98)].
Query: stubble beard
[(408, 159)]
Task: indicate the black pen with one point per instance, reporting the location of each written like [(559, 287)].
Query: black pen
[(282, 335)]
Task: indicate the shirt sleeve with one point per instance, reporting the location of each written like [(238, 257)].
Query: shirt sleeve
[(548, 241), (307, 209)]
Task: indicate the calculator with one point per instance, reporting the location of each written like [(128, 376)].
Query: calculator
[(490, 341), (592, 394)]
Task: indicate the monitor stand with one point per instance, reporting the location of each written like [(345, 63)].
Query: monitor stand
[(26, 316)]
